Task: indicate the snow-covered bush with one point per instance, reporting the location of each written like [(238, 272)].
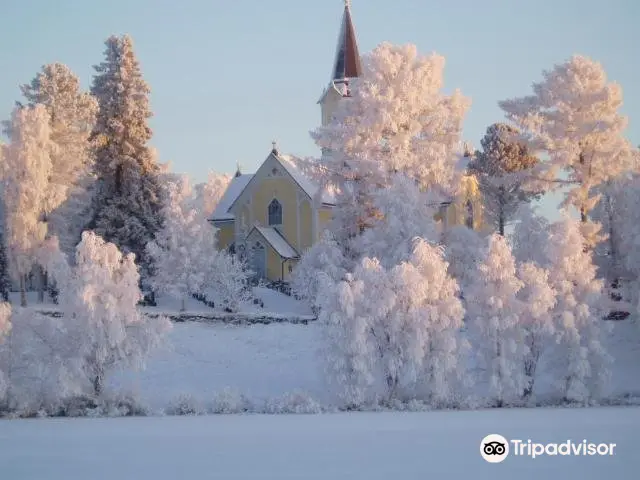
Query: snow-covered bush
[(293, 402), (41, 365), (230, 401), (185, 404)]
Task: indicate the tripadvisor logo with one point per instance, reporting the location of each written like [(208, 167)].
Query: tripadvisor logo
[(495, 448)]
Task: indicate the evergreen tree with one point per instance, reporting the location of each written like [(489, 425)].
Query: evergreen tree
[(501, 168), (128, 198)]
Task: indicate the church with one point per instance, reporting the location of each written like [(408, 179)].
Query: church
[(272, 216)]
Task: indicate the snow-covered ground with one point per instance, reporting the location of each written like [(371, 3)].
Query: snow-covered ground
[(369, 446), (267, 362)]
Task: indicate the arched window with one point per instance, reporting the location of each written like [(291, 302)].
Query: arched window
[(275, 213), (469, 216)]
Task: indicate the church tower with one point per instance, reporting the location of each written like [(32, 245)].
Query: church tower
[(345, 67)]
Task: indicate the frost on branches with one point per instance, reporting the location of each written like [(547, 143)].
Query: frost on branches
[(493, 310), (537, 300), (580, 307), (71, 116), (405, 214), (397, 120), (320, 266), (502, 169), (394, 335), (428, 352), (464, 249), (101, 311), (128, 197), (26, 171), (209, 193), (184, 253), (573, 118), (530, 237)]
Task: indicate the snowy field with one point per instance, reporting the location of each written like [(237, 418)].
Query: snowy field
[(349, 446), (265, 363)]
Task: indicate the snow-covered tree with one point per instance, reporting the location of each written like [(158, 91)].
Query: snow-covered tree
[(350, 351), (405, 214), (101, 311), (323, 262), (530, 236), (501, 168), (396, 119), (71, 117), (184, 252), (580, 307), (464, 249), (128, 199), (494, 310), (27, 167), (209, 193), (427, 352), (537, 300), (573, 118)]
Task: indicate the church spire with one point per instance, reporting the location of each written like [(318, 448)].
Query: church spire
[(347, 62)]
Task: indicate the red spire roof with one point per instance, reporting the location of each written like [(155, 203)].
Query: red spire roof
[(347, 63)]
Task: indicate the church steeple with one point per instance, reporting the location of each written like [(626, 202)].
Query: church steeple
[(346, 66), (347, 61)]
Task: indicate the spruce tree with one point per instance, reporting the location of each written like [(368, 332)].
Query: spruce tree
[(128, 197)]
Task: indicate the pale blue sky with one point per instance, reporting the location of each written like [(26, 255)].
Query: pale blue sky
[(228, 77)]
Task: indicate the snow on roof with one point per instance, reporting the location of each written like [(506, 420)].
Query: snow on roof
[(290, 163), (277, 241), (233, 191)]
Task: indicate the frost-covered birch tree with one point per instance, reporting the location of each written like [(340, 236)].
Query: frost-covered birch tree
[(102, 317), (494, 310), (128, 197), (27, 168), (71, 117), (537, 301), (396, 119), (427, 350), (573, 118), (580, 307), (502, 168)]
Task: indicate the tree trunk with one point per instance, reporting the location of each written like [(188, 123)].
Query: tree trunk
[(583, 214), (43, 285), (183, 306), (23, 292), (501, 222)]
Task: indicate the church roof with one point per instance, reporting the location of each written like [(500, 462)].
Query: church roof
[(233, 191), (277, 241), (347, 62)]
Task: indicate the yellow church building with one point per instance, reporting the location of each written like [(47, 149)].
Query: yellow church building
[(273, 216)]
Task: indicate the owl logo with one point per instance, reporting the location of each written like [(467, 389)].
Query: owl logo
[(494, 448)]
